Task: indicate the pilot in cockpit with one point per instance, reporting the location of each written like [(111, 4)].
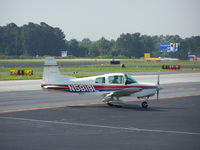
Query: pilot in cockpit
[(115, 80)]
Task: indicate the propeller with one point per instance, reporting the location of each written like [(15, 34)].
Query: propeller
[(157, 94), (158, 83)]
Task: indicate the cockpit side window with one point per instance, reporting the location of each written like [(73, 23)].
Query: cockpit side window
[(117, 79), (129, 79), (100, 80)]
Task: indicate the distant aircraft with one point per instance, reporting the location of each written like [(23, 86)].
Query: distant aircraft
[(110, 86)]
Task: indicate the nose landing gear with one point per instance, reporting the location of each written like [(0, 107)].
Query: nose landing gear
[(144, 104)]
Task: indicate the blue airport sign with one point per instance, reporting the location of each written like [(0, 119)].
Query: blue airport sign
[(164, 47), (168, 47)]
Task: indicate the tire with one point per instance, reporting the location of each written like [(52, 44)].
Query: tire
[(144, 104)]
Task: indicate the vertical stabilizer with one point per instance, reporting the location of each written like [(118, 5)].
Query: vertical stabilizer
[(51, 73)]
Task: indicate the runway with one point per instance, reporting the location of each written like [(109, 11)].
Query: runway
[(38, 99), (35, 119), (19, 95), (167, 124)]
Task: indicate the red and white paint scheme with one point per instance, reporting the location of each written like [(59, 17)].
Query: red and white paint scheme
[(110, 86)]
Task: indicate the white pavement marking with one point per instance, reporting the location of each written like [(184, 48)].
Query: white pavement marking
[(102, 126)]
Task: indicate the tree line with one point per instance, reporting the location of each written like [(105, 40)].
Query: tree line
[(42, 39)]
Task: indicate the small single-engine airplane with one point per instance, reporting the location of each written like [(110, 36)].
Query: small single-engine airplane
[(110, 86)]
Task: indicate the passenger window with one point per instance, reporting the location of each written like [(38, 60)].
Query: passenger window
[(115, 79), (100, 80)]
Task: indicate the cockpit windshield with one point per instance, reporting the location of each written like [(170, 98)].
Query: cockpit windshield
[(129, 79)]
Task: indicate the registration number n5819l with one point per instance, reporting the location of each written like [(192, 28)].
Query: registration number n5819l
[(81, 88)]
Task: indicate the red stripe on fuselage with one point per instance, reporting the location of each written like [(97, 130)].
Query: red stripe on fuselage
[(50, 65), (120, 87), (97, 87)]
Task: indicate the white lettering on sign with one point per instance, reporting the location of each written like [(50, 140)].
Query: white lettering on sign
[(81, 88)]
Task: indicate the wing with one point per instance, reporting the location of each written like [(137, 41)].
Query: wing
[(120, 93)]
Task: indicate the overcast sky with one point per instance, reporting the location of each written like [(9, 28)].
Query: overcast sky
[(94, 19)]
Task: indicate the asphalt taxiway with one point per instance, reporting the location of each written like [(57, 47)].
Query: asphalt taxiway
[(35, 119), (39, 99), (167, 124)]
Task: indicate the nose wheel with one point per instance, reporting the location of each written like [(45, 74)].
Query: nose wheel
[(144, 104)]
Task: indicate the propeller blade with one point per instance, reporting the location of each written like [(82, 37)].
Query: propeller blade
[(157, 95), (158, 81)]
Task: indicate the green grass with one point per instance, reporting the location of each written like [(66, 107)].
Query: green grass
[(131, 66), (7, 76), (154, 63), (127, 62), (96, 69), (3, 69), (119, 69)]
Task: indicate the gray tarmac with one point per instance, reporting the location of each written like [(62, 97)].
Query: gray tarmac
[(168, 124), (11, 101), (41, 120)]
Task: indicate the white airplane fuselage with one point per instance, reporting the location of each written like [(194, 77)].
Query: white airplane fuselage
[(87, 85)]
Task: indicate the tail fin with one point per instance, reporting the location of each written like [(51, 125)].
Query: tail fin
[(51, 73)]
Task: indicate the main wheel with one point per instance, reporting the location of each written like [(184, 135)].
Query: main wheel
[(144, 104)]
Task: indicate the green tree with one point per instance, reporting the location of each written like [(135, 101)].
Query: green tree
[(104, 46), (130, 45), (86, 42), (76, 49), (93, 51), (73, 47), (31, 39), (10, 40)]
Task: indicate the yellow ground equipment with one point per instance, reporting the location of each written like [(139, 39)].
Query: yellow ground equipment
[(21, 72)]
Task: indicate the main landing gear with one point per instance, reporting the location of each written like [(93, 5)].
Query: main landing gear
[(109, 104), (115, 102), (118, 103), (114, 105)]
